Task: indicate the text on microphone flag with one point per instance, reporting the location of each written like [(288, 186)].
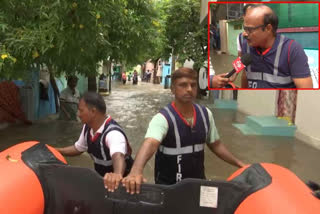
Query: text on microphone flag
[(238, 65)]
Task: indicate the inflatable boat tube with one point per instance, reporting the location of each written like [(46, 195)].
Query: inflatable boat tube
[(20, 189), (286, 193), (36, 180)]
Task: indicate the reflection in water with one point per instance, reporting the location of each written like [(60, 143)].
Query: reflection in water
[(133, 107)]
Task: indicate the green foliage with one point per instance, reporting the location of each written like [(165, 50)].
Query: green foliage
[(132, 39), (187, 38), (158, 37), (6, 61), (73, 36)]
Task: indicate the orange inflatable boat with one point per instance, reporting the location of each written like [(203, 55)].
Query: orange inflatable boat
[(35, 179), (20, 189)]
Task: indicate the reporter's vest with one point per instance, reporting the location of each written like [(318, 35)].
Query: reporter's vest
[(98, 150), (181, 153), (270, 69)]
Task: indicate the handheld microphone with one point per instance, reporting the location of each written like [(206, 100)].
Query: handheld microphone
[(239, 64)]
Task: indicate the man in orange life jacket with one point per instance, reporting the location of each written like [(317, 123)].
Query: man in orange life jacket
[(102, 138), (178, 133), (277, 62)]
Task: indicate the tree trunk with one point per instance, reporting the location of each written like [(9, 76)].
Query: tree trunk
[(143, 70), (173, 63), (92, 83), (110, 76), (55, 89)]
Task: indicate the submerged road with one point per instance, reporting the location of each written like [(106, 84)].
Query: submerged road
[(133, 107)]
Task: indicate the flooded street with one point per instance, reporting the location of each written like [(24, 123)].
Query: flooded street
[(222, 63), (133, 106)]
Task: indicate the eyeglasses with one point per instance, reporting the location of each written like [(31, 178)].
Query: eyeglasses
[(251, 29)]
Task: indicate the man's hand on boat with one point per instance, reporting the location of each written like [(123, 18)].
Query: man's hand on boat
[(133, 182), (112, 181)]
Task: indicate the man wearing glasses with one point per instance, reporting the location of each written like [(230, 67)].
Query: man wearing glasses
[(277, 62)]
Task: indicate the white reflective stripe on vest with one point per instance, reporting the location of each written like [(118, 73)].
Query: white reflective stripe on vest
[(272, 78), (277, 59), (102, 148), (175, 127), (180, 150), (277, 79), (249, 66), (268, 77), (204, 119), (183, 150), (102, 137), (198, 147), (101, 162)]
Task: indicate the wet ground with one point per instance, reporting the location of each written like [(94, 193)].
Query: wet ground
[(133, 107), (222, 63)]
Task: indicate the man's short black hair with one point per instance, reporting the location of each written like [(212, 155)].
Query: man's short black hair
[(183, 72), (71, 78), (272, 19), (94, 100), (269, 18)]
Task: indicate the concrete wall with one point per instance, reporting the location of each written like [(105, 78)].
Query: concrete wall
[(223, 36), (203, 10), (149, 66), (296, 15), (257, 102), (260, 102), (307, 117), (305, 39), (232, 37), (221, 12), (166, 70)]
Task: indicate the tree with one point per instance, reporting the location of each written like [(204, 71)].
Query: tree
[(133, 38), (187, 38), (159, 39), (73, 36)]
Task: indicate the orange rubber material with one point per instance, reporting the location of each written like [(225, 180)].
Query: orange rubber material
[(286, 194), (19, 182)]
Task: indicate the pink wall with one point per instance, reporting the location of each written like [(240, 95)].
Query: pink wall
[(149, 66)]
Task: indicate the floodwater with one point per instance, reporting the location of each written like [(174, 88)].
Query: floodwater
[(222, 63), (133, 107)]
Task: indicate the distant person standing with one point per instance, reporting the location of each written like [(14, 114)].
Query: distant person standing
[(217, 37), (213, 43), (124, 78), (148, 75), (135, 77), (103, 87), (69, 100)]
